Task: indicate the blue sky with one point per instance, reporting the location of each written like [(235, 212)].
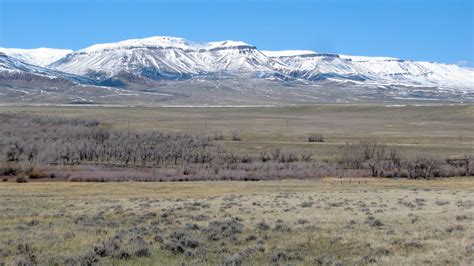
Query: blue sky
[(432, 30)]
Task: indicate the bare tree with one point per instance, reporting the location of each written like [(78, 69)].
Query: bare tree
[(468, 162), (236, 135), (306, 155)]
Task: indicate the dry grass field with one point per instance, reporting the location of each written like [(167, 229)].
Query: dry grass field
[(325, 222), (318, 221), (445, 130)]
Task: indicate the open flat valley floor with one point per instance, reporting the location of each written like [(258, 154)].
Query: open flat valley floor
[(320, 222), (445, 130)]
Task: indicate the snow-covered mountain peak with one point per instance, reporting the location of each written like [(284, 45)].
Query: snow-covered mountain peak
[(165, 42), (162, 57), (38, 56)]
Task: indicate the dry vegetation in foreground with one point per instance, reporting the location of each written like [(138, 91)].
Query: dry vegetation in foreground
[(327, 222), (316, 221), (45, 148)]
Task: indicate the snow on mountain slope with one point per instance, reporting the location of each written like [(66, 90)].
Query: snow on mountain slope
[(417, 73), (39, 56), (15, 69), (163, 42), (314, 66), (10, 64), (166, 58), (382, 70)]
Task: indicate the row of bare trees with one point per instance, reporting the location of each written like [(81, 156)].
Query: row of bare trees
[(46, 140), (51, 141), (59, 141), (388, 161)]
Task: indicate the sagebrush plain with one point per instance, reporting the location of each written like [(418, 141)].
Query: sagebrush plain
[(319, 220), (329, 222)]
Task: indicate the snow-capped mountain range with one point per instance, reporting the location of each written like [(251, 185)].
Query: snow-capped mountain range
[(168, 58), (315, 66), (158, 59)]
